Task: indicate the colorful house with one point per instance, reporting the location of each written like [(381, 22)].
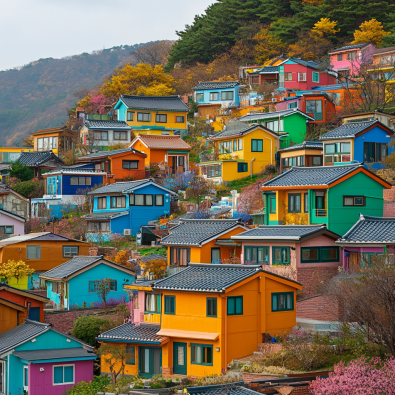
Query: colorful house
[(367, 142), (384, 118), (38, 161), (119, 165), (16, 305), (242, 152), (308, 154), (102, 134), (331, 195), (157, 115), (12, 154), (263, 75), (289, 124), (124, 207), (14, 202), (202, 241), (41, 251), (37, 359), (383, 66), (202, 318), (170, 153), (58, 140), (11, 224), (347, 60), (368, 238), (307, 251), (73, 283)]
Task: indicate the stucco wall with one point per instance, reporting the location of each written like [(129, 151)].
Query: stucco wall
[(16, 205)]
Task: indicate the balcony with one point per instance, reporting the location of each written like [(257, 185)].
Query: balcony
[(150, 318), (320, 212)]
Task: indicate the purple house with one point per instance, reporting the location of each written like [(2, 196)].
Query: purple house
[(370, 236)]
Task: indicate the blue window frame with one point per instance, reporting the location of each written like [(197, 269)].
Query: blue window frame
[(282, 301), (202, 354), (235, 305), (242, 167), (170, 304)]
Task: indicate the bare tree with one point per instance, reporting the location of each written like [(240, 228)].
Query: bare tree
[(103, 288), (198, 188), (154, 54)]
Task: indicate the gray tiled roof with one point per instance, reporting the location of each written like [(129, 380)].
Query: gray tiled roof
[(106, 215), (207, 277), (194, 215), (118, 187), (349, 130), (305, 145), (196, 231), (109, 153), (368, 229), (355, 46), (281, 232), (21, 333), (228, 132), (60, 353), (37, 158), (226, 389), (274, 114), (133, 333), (151, 257), (102, 124), (268, 70), (317, 175), (161, 103), (308, 63), (216, 85)]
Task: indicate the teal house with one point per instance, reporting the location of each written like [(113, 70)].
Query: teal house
[(73, 284), (331, 195), (291, 124), (36, 359)]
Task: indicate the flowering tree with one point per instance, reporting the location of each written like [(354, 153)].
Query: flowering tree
[(94, 103), (17, 270)]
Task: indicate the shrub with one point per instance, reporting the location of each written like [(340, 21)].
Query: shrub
[(20, 171), (98, 384), (269, 169), (87, 328), (25, 188)]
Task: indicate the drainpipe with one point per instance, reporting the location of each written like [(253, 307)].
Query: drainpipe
[(225, 312), (252, 160), (271, 148)]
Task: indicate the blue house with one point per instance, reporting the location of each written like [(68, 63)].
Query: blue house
[(366, 142), (38, 359), (64, 188), (73, 283), (124, 207)]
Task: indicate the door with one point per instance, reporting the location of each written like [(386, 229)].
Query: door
[(353, 262), (215, 255), (179, 358), (34, 314), (150, 361)]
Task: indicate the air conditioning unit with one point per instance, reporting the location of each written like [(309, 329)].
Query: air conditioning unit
[(274, 99), (127, 232)]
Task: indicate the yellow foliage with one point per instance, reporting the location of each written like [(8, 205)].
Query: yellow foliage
[(312, 2), (12, 269), (325, 26), (268, 46), (371, 31)]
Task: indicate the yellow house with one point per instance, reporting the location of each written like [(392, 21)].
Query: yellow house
[(208, 315), (58, 140), (242, 152), (159, 115)]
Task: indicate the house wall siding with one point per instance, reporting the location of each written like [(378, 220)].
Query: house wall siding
[(19, 226), (17, 205)]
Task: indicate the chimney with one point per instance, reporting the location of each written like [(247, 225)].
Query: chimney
[(93, 251)]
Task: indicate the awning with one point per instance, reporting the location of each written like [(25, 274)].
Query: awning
[(178, 152), (188, 334)]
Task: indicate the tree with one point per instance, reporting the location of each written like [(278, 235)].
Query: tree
[(103, 288), (95, 103), (310, 46), (97, 385), (12, 269), (198, 188), (371, 31), (156, 267), (21, 172), (325, 26), (269, 44), (88, 328), (116, 357), (154, 54)]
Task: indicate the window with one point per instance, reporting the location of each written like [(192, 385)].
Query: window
[(214, 96), (351, 55), (199, 96), (214, 171), (7, 230), (180, 256), (129, 115), (158, 200), (130, 164), (215, 255), (33, 252), (152, 303), (256, 145), (180, 119), (118, 201), (235, 145), (240, 144), (242, 167), (339, 57), (211, 307), (92, 285), (47, 143), (225, 147), (316, 76), (281, 255), (336, 98), (143, 117), (319, 254), (301, 76), (100, 136), (25, 378), (320, 200), (275, 126), (354, 201), (120, 136), (337, 152), (287, 76), (306, 202), (294, 203), (97, 227), (70, 251), (101, 203), (374, 152), (80, 180), (272, 205), (55, 287), (63, 374), (317, 160), (235, 305), (258, 255), (131, 350), (314, 107), (293, 105), (141, 200), (170, 304), (201, 354), (282, 301), (161, 118), (330, 254), (227, 95), (311, 254)]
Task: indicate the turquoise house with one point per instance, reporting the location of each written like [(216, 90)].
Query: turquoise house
[(73, 284), (36, 359)]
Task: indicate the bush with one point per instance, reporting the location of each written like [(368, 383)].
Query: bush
[(269, 169), (87, 328), (25, 188), (20, 171), (98, 384)]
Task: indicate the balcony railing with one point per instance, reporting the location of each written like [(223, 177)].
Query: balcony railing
[(320, 212), (151, 318)]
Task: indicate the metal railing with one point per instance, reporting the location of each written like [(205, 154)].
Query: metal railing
[(320, 212)]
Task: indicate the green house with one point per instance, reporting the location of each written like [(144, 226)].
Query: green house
[(290, 124), (331, 195)]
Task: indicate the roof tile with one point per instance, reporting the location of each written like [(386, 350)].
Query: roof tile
[(161, 103), (166, 142), (37, 158), (216, 85), (104, 124), (105, 154), (349, 129)]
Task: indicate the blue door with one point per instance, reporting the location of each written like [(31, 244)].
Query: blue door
[(34, 314)]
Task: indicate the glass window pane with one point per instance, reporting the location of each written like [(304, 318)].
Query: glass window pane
[(330, 148), (358, 201), (139, 200), (58, 374), (148, 200), (231, 306), (239, 305), (274, 302), (348, 201), (68, 374)]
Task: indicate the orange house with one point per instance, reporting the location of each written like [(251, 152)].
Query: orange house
[(169, 152), (59, 140), (124, 164)]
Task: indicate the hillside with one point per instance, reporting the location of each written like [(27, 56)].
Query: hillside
[(38, 94)]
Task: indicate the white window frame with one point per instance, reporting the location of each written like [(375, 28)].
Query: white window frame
[(63, 366), (302, 77), (25, 385), (38, 249)]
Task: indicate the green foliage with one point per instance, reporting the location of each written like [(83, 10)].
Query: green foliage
[(25, 188), (98, 384), (87, 328), (21, 172)]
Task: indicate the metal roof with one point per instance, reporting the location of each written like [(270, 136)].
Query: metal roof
[(39, 235), (60, 353), (346, 47), (110, 153), (160, 103), (216, 85), (307, 63), (103, 124), (37, 158), (166, 142), (108, 215), (127, 186), (274, 114)]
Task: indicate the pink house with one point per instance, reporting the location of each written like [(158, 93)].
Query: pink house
[(347, 60), (11, 224), (305, 253)]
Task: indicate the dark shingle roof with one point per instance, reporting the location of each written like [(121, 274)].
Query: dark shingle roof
[(307, 63), (197, 231), (274, 114), (228, 389), (106, 215), (268, 70), (216, 85), (229, 132), (318, 175), (305, 145), (355, 46), (110, 153), (118, 187), (371, 230), (160, 103), (60, 353), (133, 333), (103, 124), (207, 278), (37, 158), (350, 129), (151, 257)]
